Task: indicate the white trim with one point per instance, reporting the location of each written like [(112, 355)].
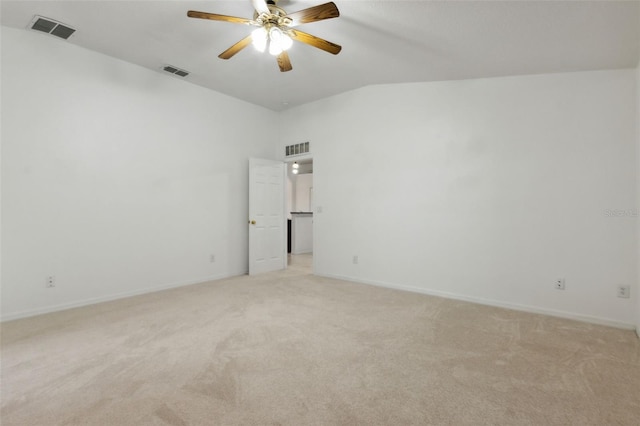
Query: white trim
[(489, 302), (101, 299)]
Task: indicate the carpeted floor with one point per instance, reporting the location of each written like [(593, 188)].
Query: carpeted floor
[(289, 348)]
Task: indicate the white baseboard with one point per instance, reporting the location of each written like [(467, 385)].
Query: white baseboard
[(94, 300), (514, 306), (447, 295)]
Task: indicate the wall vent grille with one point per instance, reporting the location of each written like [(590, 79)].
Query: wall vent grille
[(176, 71), (296, 149), (50, 26)]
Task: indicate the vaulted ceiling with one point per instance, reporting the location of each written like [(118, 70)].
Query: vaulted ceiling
[(382, 41)]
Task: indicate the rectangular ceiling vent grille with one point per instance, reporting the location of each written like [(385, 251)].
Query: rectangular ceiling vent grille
[(296, 149), (176, 71), (50, 26)]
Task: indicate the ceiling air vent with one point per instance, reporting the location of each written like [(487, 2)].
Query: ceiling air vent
[(296, 149), (176, 71), (49, 26)]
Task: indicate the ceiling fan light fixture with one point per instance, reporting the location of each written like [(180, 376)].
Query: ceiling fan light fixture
[(274, 48), (259, 39), (281, 40), (286, 42), (274, 37)]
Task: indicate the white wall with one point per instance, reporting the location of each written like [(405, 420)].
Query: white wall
[(298, 187), (303, 185), (116, 179), (637, 287), (119, 180), (289, 188), (486, 190)]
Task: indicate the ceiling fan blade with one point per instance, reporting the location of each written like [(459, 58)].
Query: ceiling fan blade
[(260, 6), (227, 54), (313, 14), (216, 17), (283, 62), (314, 41)]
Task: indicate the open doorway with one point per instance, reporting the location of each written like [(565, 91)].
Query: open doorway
[(299, 208)]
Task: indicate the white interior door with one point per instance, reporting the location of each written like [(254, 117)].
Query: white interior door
[(267, 231)]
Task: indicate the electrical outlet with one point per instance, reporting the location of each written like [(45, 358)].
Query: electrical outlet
[(51, 281), (212, 258), (355, 260), (560, 284), (624, 291)]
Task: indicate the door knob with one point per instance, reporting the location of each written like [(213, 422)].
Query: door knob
[(253, 222)]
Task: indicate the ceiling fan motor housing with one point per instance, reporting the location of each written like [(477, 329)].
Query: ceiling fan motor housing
[(276, 16)]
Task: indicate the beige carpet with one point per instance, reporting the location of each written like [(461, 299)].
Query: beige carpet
[(289, 348)]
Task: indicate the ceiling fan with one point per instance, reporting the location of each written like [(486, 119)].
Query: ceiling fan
[(275, 29)]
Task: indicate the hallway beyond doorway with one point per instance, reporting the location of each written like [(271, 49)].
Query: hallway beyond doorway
[(300, 262)]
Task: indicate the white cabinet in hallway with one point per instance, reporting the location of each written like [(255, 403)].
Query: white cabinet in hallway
[(301, 233)]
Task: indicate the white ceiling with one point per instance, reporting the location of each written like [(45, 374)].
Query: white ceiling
[(383, 41)]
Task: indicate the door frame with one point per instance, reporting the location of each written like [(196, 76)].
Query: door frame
[(287, 162)]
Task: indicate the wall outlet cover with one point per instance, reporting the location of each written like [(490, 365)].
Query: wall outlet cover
[(624, 291)]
